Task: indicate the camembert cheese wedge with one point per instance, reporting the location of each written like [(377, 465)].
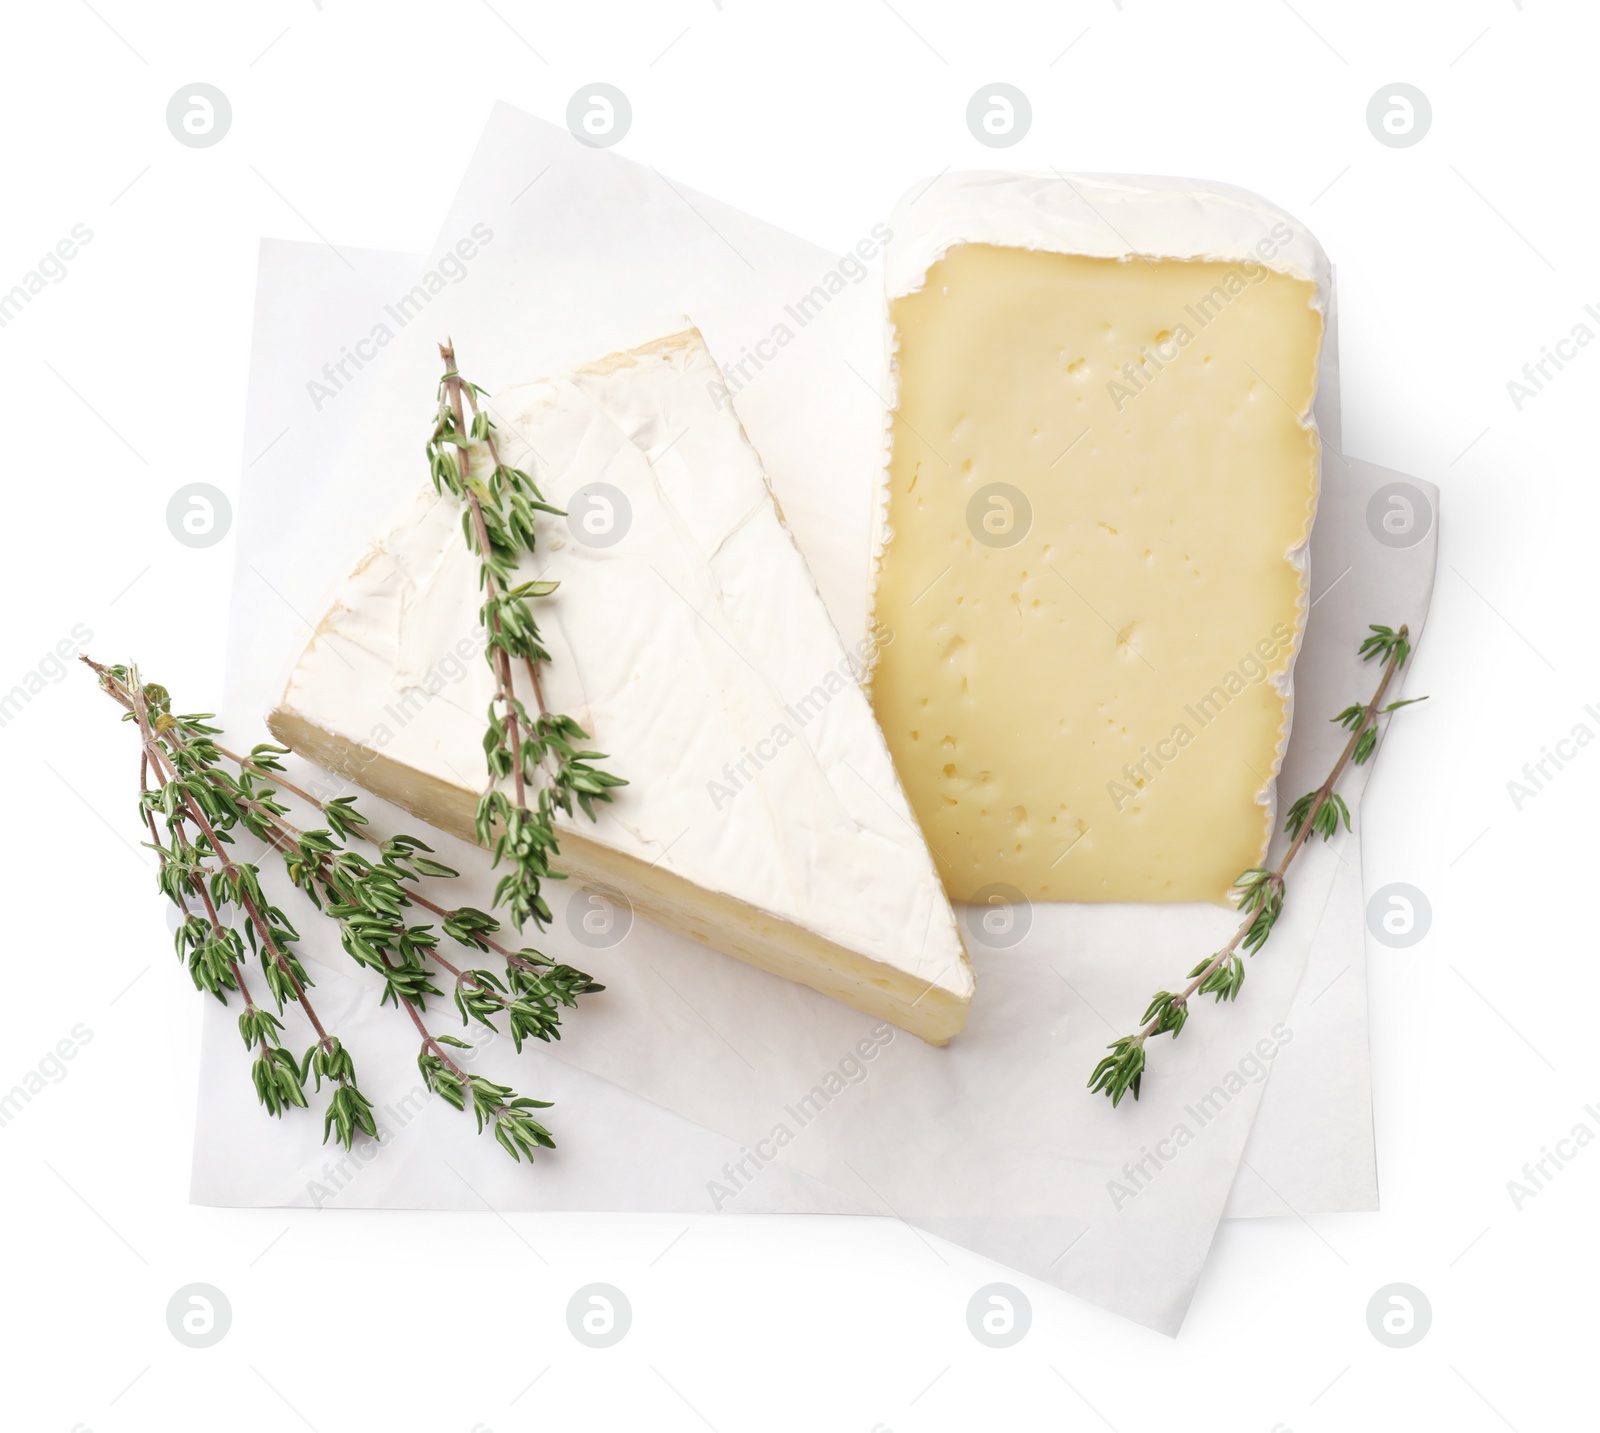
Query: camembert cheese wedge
[(762, 815), (1092, 543)]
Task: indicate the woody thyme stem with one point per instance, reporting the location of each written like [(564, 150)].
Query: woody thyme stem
[(1323, 792), (1260, 892), (366, 898)]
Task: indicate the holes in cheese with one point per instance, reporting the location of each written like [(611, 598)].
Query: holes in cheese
[(1102, 477)]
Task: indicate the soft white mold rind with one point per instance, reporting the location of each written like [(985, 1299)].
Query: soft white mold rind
[(859, 877)]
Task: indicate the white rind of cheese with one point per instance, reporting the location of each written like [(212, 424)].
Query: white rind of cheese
[(1107, 216), (763, 813)]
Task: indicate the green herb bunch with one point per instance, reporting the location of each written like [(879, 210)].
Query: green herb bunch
[(543, 756), (1259, 892), (200, 795)]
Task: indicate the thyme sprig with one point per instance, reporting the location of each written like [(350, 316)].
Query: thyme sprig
[(1259, 892), (202, 804), (547, 751)]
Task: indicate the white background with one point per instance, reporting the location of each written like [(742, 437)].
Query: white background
[(1460, 259)]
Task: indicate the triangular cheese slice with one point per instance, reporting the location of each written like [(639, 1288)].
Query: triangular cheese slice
[(763, 814)]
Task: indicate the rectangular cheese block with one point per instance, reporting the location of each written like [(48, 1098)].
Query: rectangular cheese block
[(762, 815), (1091, 554)]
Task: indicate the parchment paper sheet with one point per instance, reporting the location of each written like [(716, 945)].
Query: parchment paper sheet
[(992, 1142)]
